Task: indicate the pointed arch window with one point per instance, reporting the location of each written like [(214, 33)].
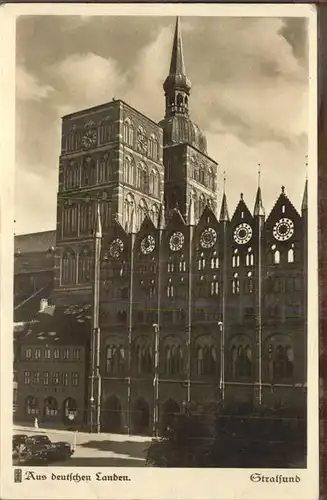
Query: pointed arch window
[(105, 169), (129, 132), (70, 219), (249, 283), (202, 203), (182, 264), (214, 262), (129, 206), (87, 218), (236, 259), (128, 170), (154, 214), (241, 357), (211, 179), (154, 183), (115, 359), (236, 284), (290, 254), (68, 268), (199, 359), (282, 362), (105, 131), (249, 258), (201, 262), (170, 266), (142, 211), (214, 286), (276, 257), (85, 266), (170, 290), (141, 177)]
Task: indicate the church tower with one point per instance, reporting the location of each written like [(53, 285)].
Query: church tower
[(189, 172)]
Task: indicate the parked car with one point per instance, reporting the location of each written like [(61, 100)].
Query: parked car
[(39, 448), (17, 441)]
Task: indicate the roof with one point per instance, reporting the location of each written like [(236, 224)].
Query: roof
[(31, 263), (27, 307), (35, 242), (58, 325)]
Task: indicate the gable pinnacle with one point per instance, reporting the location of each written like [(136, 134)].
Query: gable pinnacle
[(191, 213), (98, 225), (304, 205), (224, 215)]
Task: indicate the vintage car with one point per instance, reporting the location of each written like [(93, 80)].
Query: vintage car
[(17, 441), (39, 448)]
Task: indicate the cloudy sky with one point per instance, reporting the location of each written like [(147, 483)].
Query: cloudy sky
[(249, 95)]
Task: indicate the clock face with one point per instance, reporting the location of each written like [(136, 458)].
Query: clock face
[(208, 238), (148, 244), (142, 143), (243, 234), (176, 241), (89, 139), (116, 248), (283, 229)]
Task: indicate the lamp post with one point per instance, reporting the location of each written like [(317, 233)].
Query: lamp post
[(156, 380), (222, 361)]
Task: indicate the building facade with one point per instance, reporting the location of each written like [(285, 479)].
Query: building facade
[(189, 303)]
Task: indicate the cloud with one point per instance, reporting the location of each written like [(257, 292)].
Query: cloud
[(84, 80), (30, 187), (249, 94), (28, 86)]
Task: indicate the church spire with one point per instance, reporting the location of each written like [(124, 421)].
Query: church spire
[(258, 205), (224, 215), (177, 86), (177, 57)]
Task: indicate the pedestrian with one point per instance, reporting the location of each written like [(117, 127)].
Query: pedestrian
[(36, 423)]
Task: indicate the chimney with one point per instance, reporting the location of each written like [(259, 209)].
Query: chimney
[(43, 305)]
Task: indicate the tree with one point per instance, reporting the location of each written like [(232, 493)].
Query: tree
[(236, 437)]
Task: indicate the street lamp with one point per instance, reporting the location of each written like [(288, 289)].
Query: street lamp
[(92, 409), (222, 361), (156, 380)]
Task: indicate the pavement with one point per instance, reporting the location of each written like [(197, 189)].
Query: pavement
[(100, 450)]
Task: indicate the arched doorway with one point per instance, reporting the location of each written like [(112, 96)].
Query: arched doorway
[(111, 415), (69, 411), (50, 408), (140, 417), (170, 409)]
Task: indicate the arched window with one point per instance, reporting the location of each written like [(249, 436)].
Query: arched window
[(283, 362), (202, 204), (249, 258), (153, 147), (182, 264), (50, 408), (241, 361), (170, 290), (290, 256), (236, 284), (128, 170), (236, 259), (70, 219), (129, 207), (104, 169), (154, 214), (168, 359), (201, 262), (142, 212), (85, 266), (87, 218), (214, 287), (214, 262), (141, 177), (199, 359), (128, 132), (249, 283), (154, 183), (276, 257), (68, 268), (115, 359), (105, 131), (32, 405), (202, 174), (211, 179)]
